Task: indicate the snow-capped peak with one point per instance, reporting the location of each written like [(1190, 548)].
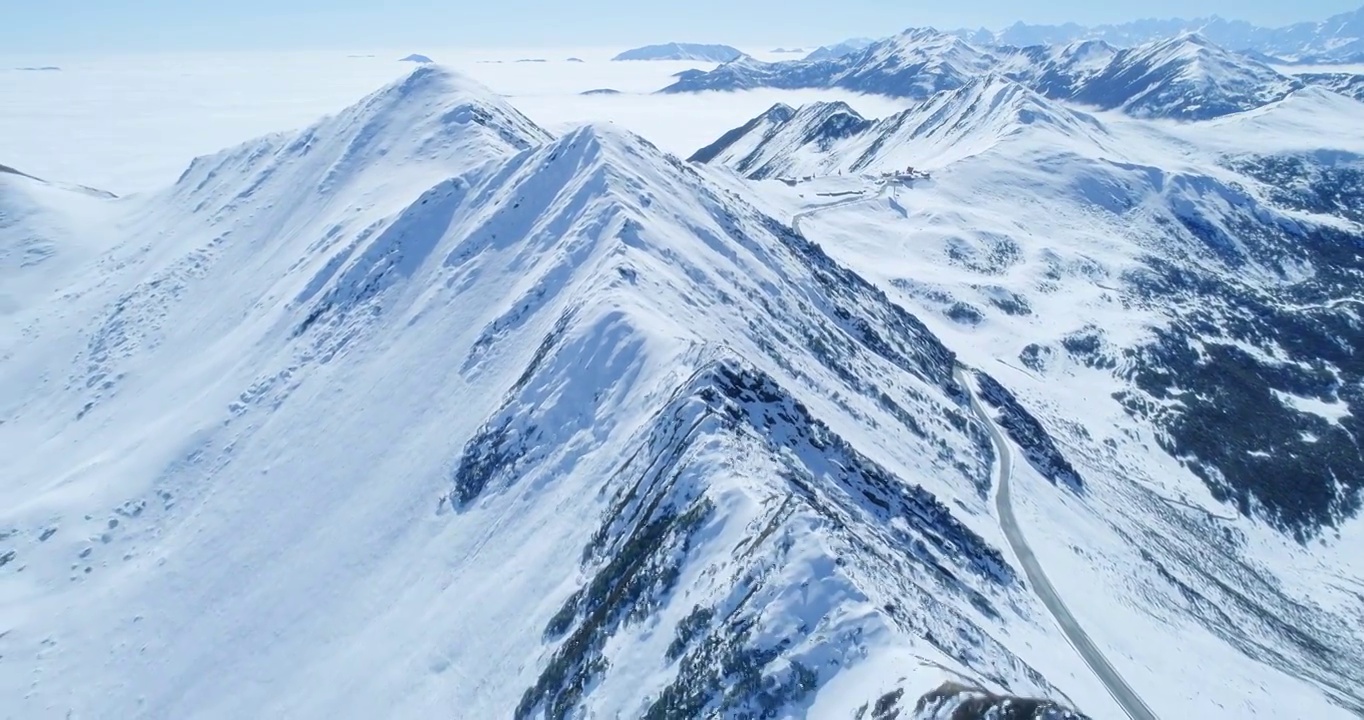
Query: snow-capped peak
[(1185, 77), (825, 138), (430, 124)]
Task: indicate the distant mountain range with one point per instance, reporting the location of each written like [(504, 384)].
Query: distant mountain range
[(682, 51), (1185, 77), (847, 47), (1339, 38)]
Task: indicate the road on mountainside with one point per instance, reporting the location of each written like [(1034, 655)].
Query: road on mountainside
[(1122, 693), (1046, 592), (795, 219)]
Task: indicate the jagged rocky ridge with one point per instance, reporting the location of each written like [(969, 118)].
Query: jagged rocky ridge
[(954, 701)]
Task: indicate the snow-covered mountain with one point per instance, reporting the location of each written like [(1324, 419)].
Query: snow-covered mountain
[(1339, 38), (682, 51), (1348, 84), (1182, 297), (831, 138), (1185, 77), (753, 147), (838, 50), (916, 64), (423, 408)]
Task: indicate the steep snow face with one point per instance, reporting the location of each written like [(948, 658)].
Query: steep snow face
[(420, 408), (768, 143), (916, 63), (1184, 78), (745, 138), (823, 139), (1063, 69)]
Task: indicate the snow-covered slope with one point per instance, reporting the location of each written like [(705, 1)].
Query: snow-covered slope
[(1348, 84), (1185, 77), (830, 138), (916, 64), (1178, 303), (1339, 38), (682, 51), (419, 409), (772, 139), (45, 236), (838, 50)]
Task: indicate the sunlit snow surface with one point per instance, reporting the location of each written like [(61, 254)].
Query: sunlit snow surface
[(420, 411), (131, 124)]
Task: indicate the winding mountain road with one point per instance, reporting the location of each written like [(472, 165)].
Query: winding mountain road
[(1122, 693)]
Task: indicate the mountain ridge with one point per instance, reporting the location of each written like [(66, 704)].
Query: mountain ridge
[(1184, 77), (426, 407), (500, 337), (682, 51), (1336, 39)]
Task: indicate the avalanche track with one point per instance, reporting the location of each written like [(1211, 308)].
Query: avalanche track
[(1046, 592)]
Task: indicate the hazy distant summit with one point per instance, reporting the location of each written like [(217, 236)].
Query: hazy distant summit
[(1337, 39), (833, 52), (682, 51)]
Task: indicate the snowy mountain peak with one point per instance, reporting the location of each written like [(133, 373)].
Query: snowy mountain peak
[(995, 98), (430, 124), (930, 45), (681, 51), (1185, 77), (1085, 54), (828, 138), (921, 35), (833, 52), (827, 110), (1338, 39), (781, 112)]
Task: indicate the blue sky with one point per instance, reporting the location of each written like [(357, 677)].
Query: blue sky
[(94, 26)]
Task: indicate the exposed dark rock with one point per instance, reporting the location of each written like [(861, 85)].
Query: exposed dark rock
[(1038, 446)]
